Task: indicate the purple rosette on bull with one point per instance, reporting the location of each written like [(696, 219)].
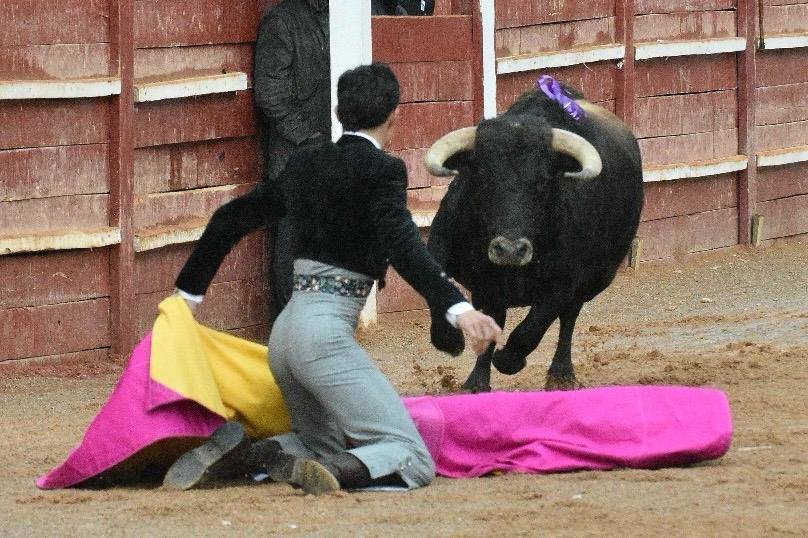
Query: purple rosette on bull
[(554, 91)]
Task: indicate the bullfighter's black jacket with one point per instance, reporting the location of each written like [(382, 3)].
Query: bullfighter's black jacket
[(347, 206)]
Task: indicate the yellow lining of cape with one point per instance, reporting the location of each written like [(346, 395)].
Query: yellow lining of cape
[(227, 375)]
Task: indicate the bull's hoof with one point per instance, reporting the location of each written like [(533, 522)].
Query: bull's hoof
[(508, 363), (446, 338), (476, 383), (562, 382)]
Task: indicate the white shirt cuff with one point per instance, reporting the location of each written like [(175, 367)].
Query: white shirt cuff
[(457, 309), (190, 296)]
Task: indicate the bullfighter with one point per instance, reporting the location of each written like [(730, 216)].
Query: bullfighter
[(346, 203)]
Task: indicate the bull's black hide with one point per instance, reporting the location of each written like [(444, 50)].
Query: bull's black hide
[(516, 231)]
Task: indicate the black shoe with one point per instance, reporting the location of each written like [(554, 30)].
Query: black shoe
[(349, 470), (309, 475), (312, 476), (224, 455), (351, 473)]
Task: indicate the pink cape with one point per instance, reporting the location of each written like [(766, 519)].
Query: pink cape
[(139, 413), (640, 427), (468, 435)]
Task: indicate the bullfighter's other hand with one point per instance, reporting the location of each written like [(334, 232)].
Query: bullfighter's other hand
[(480, 328), (192, 306), (190, 299)]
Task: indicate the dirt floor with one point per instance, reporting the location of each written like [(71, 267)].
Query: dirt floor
[(735, 319)]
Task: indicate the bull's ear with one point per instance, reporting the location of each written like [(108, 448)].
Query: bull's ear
[(462, 161)]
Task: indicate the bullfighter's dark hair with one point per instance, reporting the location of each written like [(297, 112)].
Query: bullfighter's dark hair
[(366, 96)]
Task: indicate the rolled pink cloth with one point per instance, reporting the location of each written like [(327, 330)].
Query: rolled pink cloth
[(642, 427)]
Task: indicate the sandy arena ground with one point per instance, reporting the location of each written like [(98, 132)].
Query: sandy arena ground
[(736, 319)]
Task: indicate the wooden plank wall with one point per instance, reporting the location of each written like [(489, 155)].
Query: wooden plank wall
[(782, 120), (154, 172), (54, 175), (525, 28), (194, 154), (685, 111), (64, 168)]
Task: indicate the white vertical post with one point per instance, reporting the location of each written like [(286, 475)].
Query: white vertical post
[(488, 22), (351, 45)]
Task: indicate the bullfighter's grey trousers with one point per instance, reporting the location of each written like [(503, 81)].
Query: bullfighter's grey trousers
[(337, 398)]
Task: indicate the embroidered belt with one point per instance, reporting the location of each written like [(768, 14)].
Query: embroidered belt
[(335, 285)]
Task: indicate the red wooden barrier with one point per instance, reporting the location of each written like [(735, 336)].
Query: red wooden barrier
[(137, 181), (71, 165), (781, 121)]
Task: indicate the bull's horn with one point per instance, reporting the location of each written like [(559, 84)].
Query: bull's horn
[(445, 147), (579, 149)]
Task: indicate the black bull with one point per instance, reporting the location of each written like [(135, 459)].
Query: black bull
[(534, 217)]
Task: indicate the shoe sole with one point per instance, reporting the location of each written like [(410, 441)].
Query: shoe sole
[(196, 466), (313, 477)]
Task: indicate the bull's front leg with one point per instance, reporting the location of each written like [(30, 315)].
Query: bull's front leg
[(561, 375), (524, 339), (479, 379)]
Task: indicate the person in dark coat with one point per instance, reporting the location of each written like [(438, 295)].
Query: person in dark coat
[(348, 204), (292, 89)]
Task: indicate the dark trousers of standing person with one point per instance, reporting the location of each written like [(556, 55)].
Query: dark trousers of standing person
[(278, 268)]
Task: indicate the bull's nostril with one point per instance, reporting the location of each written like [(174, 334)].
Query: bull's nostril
[(521, 251), (499, 250)]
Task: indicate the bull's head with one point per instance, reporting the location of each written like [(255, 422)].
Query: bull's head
[(510, 163)]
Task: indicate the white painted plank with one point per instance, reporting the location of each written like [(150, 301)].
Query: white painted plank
[(532, 62), (146, 240), (695, 169), (778, 157), (665, 49), (190, 86), (786, 41), (172, 236), (61, 240), (59, 89)]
